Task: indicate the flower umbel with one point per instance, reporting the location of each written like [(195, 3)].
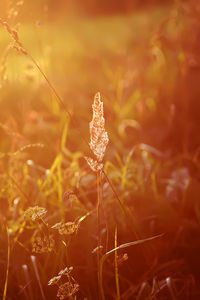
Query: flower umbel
[(35, 213), (67, 287), (67, 290), (98, 135)]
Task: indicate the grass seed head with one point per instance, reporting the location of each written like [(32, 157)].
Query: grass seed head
[(94, 164), (98, 135)]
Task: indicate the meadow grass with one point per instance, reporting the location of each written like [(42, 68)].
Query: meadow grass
[(48, 193)]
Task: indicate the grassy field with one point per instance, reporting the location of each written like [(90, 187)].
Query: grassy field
[(146, 199)]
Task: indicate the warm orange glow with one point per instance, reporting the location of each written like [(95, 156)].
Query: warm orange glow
[(127, 225)]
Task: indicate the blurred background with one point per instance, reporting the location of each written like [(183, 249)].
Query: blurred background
[(144, 54), (86, 8)]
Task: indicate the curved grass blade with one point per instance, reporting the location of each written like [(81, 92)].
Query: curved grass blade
[(134, 243)]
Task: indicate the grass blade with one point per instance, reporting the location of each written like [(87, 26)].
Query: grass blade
[(134, 243)]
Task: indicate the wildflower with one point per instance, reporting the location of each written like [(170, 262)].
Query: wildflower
[(67, 289), (43, 244), (54, 280), (35, 213), (66, 228), (98, 135)]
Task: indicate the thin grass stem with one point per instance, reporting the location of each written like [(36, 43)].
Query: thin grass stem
[(98, 221), (8, 264), (121, 205), (116, 269), (28, 292), (33, 259)]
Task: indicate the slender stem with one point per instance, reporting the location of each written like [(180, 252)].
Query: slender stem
[(131, 225), (58, 98), (104, 217), (18, 187), (33, 259), (101, 277), (122, 206), (98, 221), (28, 292), (24, 51), (8, 264), (51, 86), (116, 269)]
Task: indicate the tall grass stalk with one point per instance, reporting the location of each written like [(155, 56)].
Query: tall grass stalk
[(116, 268), (98, 220), (8, 264)]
